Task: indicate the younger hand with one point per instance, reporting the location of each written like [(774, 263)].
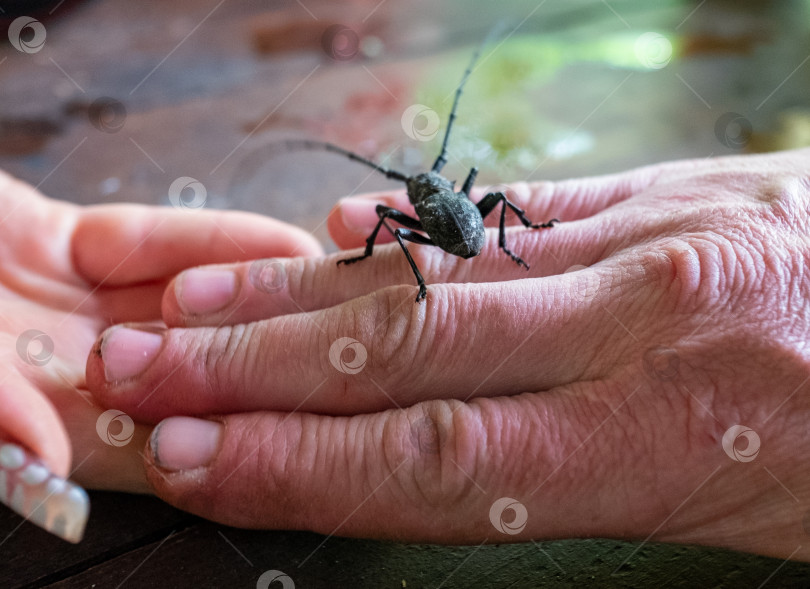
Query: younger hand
[(66, 274)]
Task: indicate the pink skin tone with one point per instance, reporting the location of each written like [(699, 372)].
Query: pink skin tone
[(598, 399), (70, 272)]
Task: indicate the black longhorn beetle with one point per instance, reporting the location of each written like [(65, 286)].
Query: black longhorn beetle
[(450, 219)]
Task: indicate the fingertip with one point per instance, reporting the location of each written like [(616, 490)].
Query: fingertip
[(185, 443), (94, 367), (30, 419), (118, 361), (188, 461), (302, 244), (353, 218), (170, 309), (340, 234), (94, 370)]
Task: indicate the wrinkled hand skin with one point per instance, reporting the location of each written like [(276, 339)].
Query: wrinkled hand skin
[(597, 398), (67, 272)]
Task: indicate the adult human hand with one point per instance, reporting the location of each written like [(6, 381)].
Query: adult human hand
[(614, 400), (67, 273)]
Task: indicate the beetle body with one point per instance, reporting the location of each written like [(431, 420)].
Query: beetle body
[(450, 218), (444, 218)]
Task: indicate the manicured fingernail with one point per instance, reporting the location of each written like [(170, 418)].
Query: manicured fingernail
[(184, 443), (201, 290), (127, 352), (27, 486), (358, 214)]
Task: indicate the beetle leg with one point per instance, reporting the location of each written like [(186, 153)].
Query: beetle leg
[(384, 212), (468, 183), (486, 206), (413, 237)]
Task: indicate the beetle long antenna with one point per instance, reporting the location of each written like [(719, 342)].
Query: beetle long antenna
[(442, 159), (308, 144)]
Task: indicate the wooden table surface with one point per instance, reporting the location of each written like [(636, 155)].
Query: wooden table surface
[(126, 97)]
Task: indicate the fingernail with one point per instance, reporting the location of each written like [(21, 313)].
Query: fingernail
[(27, 486), (127, 352), (358, 214), (184, 443), (201, 291)]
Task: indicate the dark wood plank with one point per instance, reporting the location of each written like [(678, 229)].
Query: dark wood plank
[(118, 523), (209, 555)]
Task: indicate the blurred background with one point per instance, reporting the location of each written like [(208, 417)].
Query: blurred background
[(184, 103), (113, 101)]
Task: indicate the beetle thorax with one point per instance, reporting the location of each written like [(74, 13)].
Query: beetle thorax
[(425, 185)]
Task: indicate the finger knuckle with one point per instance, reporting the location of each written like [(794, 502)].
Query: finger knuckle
[(398, 333), (703, 269), (225, 354), (433, 449)]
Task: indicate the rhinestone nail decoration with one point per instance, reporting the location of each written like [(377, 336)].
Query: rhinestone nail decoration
[(51, 502)]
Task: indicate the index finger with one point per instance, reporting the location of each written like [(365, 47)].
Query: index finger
[(127, 243)]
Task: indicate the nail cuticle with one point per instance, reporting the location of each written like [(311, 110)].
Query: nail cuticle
[(153, 444)]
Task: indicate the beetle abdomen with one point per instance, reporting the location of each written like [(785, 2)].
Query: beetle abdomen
[(453, 223)]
